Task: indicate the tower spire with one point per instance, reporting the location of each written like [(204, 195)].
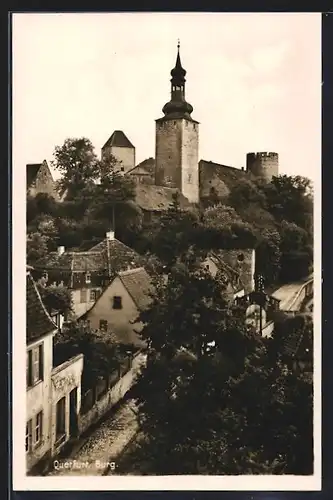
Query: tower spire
[(178, 105)]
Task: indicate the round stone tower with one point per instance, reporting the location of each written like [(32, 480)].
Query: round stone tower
[(264, 165)]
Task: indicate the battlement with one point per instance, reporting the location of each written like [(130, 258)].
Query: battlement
[(263, 164), (262, 154)]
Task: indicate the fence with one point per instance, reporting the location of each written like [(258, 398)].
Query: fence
[(103, 385), (107, 392)]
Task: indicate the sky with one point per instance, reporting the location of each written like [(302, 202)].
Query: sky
[(254, 81)]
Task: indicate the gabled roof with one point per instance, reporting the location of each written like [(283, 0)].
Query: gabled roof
[(231, 274), (118, 139), (146, 167), (72, 261), (38, 322), (139, 285), (109, 256), (117, 255), (157, 198), (32, 171)]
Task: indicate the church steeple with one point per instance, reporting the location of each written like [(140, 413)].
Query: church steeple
[(177, 107)]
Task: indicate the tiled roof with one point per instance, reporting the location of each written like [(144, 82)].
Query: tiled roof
[(32, 171), (38, 320), (146, 167), (118, 139), (232, 275), (157, 198), (111, 255), (117, 255), (73, 261), (294, 346), (139, 285)]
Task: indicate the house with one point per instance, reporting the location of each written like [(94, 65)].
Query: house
[(230, 276), (121, 148), (87, 273), (53, 394), (40, 179), (144, 172), (239, 264), (118, 307)]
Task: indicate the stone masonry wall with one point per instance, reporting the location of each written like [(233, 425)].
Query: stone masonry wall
[(264, 165), (168, 153), (44, 182), (124, 155), (189, 160)]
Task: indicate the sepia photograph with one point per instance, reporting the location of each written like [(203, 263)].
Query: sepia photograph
[(166, 250)]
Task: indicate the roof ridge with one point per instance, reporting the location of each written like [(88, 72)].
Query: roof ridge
[(41, 301), (131, 271)]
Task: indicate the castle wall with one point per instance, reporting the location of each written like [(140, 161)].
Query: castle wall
[(264, 165), (189, 160)]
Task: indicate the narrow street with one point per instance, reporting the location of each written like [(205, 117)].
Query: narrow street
[(99, 453)]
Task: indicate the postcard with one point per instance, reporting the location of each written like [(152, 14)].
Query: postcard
[(166, 251)]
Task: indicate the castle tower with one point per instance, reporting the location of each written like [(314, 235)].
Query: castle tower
[(177, 141), (121, 148), (264, 165)]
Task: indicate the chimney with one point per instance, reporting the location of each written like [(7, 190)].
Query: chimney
[(110, 235), (61, 250)]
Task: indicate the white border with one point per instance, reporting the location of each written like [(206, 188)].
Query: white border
[(191, 483)]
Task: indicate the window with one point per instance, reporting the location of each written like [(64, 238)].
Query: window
[(189, 178), (29, 368), (28, 436), (122, 169), (88, 278), (83, 296), (39, 427), (240, 257), (93, 295), (103, 324), (34, 365), (117, 302), (60, 418), (37, 368)]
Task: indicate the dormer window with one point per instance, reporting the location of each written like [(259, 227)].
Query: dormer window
[(88, 278)]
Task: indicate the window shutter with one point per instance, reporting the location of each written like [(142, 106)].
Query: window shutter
[(29, 368), (41, 362)]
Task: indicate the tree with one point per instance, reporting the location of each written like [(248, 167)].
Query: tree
[(268, 255), (296, 252), (210, 388), (36, 247), (56, 298), (101, 353), (290, 198), (244, 193), (78, 165)]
